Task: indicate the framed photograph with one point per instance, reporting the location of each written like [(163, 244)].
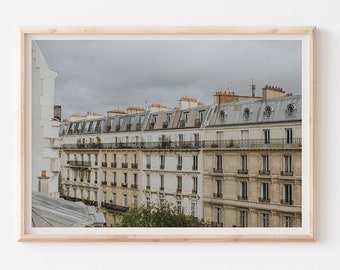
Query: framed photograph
[(167, 134)]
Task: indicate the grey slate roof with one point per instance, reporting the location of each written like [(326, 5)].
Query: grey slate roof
[(56, 212)]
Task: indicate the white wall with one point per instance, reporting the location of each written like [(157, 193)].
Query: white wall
[(320, 255)]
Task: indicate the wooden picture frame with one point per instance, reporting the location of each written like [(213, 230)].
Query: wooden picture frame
[(307, 231)]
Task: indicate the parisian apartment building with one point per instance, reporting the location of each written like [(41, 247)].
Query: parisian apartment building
[(234, 163)]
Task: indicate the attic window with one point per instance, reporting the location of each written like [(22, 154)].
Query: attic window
[(246, 114), (222, 115), (290, 110), (268, 111)]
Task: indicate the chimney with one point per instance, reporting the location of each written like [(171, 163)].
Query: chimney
[(43, 183), (253, 90)]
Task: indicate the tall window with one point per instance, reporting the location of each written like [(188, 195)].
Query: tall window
[(243, 219), (125, 178), (266, 136), (219, 163), (148, 181), (162, 166), (114, 198), (287, 164), (135, 158), (196, 139), (179, 162), (104, 197), (289, 135), (148, 161), (265, 163), (104, 176), (194, 163), (186, 115), (168, 117), (161, 186), (114, 177), (194, 185), (180, 139), (244, 190), (125, 200), (135, 204), (125, 158), (265, 220), (201, 115), (218, 188), (219, 216), (287, 194), (95, 177), (135, 179), (287, 221), (179, 183), (194, 209), (264, 192), (179, 207), (244, 164), (219, 135)]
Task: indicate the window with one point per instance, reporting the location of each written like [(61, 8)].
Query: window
[(96, 159), (161, 186), (105, 157), (179, 207), (162, 166), (243, 219), (265, 220), (135, 204), (264, 192), (287, 165), (194, 163), (194, 185), (219, 135), (246, 114), (243, 190), (82, 194), (290, 110), (219, 163), (180, 139), (185, 117), (95, 177), (104, 176), (289, 136), (222, 115), (148, 161), (219, 216), (196, 139), (287, 194), (244, 164), (266, 136), (125, 200), (179, 183), (125, 178), (287, 221), (135, 158), (161, 202), (194, 209), (125, 158), (265, 163), (135, 180), (201, 115), (88, 195), (104, 197), (168, 117), (179, 162), (154, 119), (148, 201), (114, 198), (95, 195), (148, 181), (114, 177), (218, 186), (114, 158), (268, 111)]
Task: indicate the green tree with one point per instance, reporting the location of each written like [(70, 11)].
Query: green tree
[(159, 216)]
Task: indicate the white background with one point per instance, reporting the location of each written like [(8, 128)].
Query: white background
[(322, 254)]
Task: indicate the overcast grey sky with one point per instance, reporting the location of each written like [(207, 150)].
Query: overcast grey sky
[(101, 75)]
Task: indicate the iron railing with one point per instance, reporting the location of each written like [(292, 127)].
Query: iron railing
[(79, 163), (114, 207)]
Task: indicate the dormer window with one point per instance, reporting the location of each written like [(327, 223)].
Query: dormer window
[(154, 119), (222, 115), (268, 112), (246, 114), (290, 112), (186, 115)]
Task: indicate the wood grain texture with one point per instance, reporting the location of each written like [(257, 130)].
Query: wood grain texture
[(24, 32)]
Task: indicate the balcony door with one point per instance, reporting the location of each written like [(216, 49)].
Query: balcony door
[(245, 137)]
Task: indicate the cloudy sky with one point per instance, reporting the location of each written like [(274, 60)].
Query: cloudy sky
[(97, 76)]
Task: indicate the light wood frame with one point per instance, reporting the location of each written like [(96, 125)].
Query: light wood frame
[(309, 235)]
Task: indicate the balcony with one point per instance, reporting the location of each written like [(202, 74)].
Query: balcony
[(148, 166), (218, 170), (134, 165), (104, 164), (287, 202), (179, 167), (104, 183), (285, 173), (113, 164), (76, 163), (124, 185), (162, 166), (124, 165), (135, 186), (216, 224), (242, 171), (178, 190), (264, 172), (264, 200), (218, 195), (114, 184), (242, 197), (114, 207)]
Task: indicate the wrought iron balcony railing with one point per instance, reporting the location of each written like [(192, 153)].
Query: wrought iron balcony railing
[(124, 165), (179, 167), (242, 171), (114, 164), (242, 197), (104, 164), (264, 172), (218, 170), (135, 186), (286, 173), (264, 199), (78, 163), (134, 165), (148, 166), (124, 184), (287, 202), (114, 207)]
